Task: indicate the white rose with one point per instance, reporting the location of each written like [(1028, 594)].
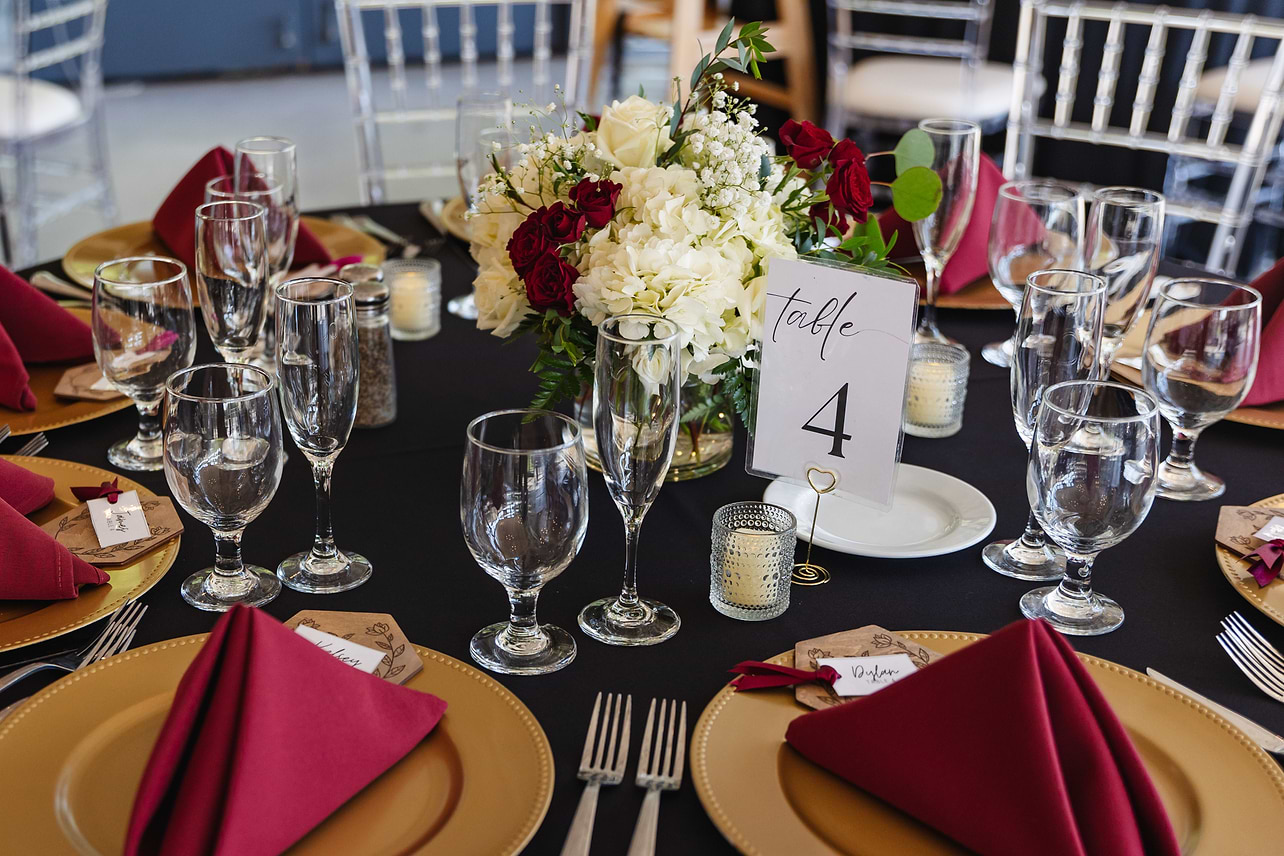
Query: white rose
[(633, 132)]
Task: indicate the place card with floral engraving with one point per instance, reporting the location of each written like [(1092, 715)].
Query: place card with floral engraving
[(1238, 526), (371, 629), (75, 531), (868, 641)]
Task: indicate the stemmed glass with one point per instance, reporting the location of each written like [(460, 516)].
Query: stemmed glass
[(1122, 246), (223, 465), (231, 275), (1058, 338), (272, 162), (316, 359), (957, 158), (1036, 225), (279, 233), (636, 419), (1091, 480), (481, 119), (143, 332), (523, 505), (1199, 362)]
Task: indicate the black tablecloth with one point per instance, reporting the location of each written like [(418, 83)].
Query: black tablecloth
[(396, 495)]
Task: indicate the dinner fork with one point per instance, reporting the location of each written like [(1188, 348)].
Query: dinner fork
[(4, 433), (1259, 660), (34, 446), (658, 772), (600, 764), (115, 637)]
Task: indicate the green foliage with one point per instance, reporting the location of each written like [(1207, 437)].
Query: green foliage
[(565, 361), (913, 149), (916, 192), (590, 123), (737, 383)]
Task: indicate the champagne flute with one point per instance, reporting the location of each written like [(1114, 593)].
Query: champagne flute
[(957, 146), (272, 162), (231, 275), (523, 505), (1058, 338), (316, 332), (1199, 362), (223, 465), (1123, 243), (636, 418), (1091, 481), (1036, 225), (143, 332), (278, 232), (482, 121)]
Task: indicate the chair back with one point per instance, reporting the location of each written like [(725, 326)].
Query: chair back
[(63, 33)]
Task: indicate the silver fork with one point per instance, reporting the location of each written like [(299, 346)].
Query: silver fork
[(4, 433), (115, 637), (1259, 660), (35, 445), (600, 764), (658, 773)]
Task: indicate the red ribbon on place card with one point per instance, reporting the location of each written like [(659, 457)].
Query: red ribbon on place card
[(110, 489), (1270, 559), (755, 675)]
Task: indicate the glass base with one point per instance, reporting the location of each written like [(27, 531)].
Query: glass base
[(215, 593), (1092, 616), (137, 454), (1187, 484), (649, 623), (463, 307), (999, 353), (303, 572), (1014, 559), (497, 649)]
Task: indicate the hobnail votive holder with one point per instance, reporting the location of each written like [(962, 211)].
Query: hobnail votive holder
[(937, 389), (751, 560)]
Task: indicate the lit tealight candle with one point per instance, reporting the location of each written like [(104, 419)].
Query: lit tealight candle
[(937, 387), (750, 568), (414, 287)]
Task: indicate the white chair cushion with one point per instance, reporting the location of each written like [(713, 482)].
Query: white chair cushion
[(49, 107), (906, 87), (1252, 80)]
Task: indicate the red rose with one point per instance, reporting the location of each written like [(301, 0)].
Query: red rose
[(548, 285), (830, 216), (806, 143), (595, 200), (848, 189), (562, 225), (528, 244), (844, 151)]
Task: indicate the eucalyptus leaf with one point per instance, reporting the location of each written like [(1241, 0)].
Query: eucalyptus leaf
[(914, 149), (764, 167), (724, 37), (916, 193)]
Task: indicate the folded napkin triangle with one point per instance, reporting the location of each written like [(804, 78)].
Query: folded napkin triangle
[(41, 330), (266, 737), (1007, 747), (24, 490), (33, 566), (15, 389)]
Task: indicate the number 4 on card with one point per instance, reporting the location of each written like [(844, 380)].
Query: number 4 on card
[(840, 420)]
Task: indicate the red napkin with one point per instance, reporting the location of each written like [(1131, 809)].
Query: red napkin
[(24, 490), (1030, 759), (33, 566), (1269, 385), (14, 390), (970, 261), (175, 220), (267, 736), (42, 331)]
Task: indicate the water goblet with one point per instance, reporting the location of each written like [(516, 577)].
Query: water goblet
[(1091, 480), (523, 506), (1036, 225), (231, 275), (143, 332), (636, 413), (223, 465), (957, 146), (317, 362), (1058, 338), (1122, 245), (1199, 362)]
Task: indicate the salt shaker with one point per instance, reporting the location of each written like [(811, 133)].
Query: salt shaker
[(377, 377)]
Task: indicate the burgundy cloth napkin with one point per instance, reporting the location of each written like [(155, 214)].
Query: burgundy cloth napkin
[(970, 261), (33, 566), (24, 490), (267, 736), (175, 220), (41, 330), (1028, 758), (15, 389), (1268, 387)]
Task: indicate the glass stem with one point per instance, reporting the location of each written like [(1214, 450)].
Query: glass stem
[(149, 422), (227, 554), (629, 594), (927, 320), (521, 612), (1182, 453), (323, 544), (1033, 536), (1076, 585)]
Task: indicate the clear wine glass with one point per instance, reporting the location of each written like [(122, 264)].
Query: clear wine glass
[(279, 233), (223, 465), (317, 363), (523, 505), (1123, 243), (1058, 338), (1199, 362), (1091, 481), (636, 413), (265, 162), (957, 145), (143, 332), (481, 120), (231, 275), (1036, 225)]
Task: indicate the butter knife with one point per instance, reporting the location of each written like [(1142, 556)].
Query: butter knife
[(1268, 740)]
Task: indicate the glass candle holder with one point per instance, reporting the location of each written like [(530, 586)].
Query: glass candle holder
[(937, 389), (751, 560), (414, 286)]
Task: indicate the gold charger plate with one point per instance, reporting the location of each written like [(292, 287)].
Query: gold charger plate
[(74, 754), (980, 294), (25, 622), (1269, 599), (1223, 794), (138, 239), (452, 217)]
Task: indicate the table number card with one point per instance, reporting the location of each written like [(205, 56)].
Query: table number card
[(831, 387)]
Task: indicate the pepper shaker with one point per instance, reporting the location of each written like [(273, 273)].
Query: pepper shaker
[(377, 378)]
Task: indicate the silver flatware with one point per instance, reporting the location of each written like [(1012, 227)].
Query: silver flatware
[(661, 771), (54, 284), (1259, 660), (1268, 740), (115, 637), (602, 763), (4, 433), (34, 446), (407, 249)]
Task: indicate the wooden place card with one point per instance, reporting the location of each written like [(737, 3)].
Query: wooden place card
[(868, 641), (371, 629), (1237, 526), (85, 383), (75, 531)]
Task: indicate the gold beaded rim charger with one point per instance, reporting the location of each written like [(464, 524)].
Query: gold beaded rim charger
[(1223, 794), (25, 622), (74, 754), (1268, 599)]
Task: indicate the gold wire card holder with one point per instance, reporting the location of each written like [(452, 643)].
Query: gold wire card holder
[(807, 573)]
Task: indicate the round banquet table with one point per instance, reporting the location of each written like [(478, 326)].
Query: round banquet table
[(396, 499)]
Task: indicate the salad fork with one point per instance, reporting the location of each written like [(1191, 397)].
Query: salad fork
[(34, 446), (599, 768), (658, 772), (1259, 660), (113, 639)]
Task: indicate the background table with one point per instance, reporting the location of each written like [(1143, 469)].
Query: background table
[(396, 500)]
